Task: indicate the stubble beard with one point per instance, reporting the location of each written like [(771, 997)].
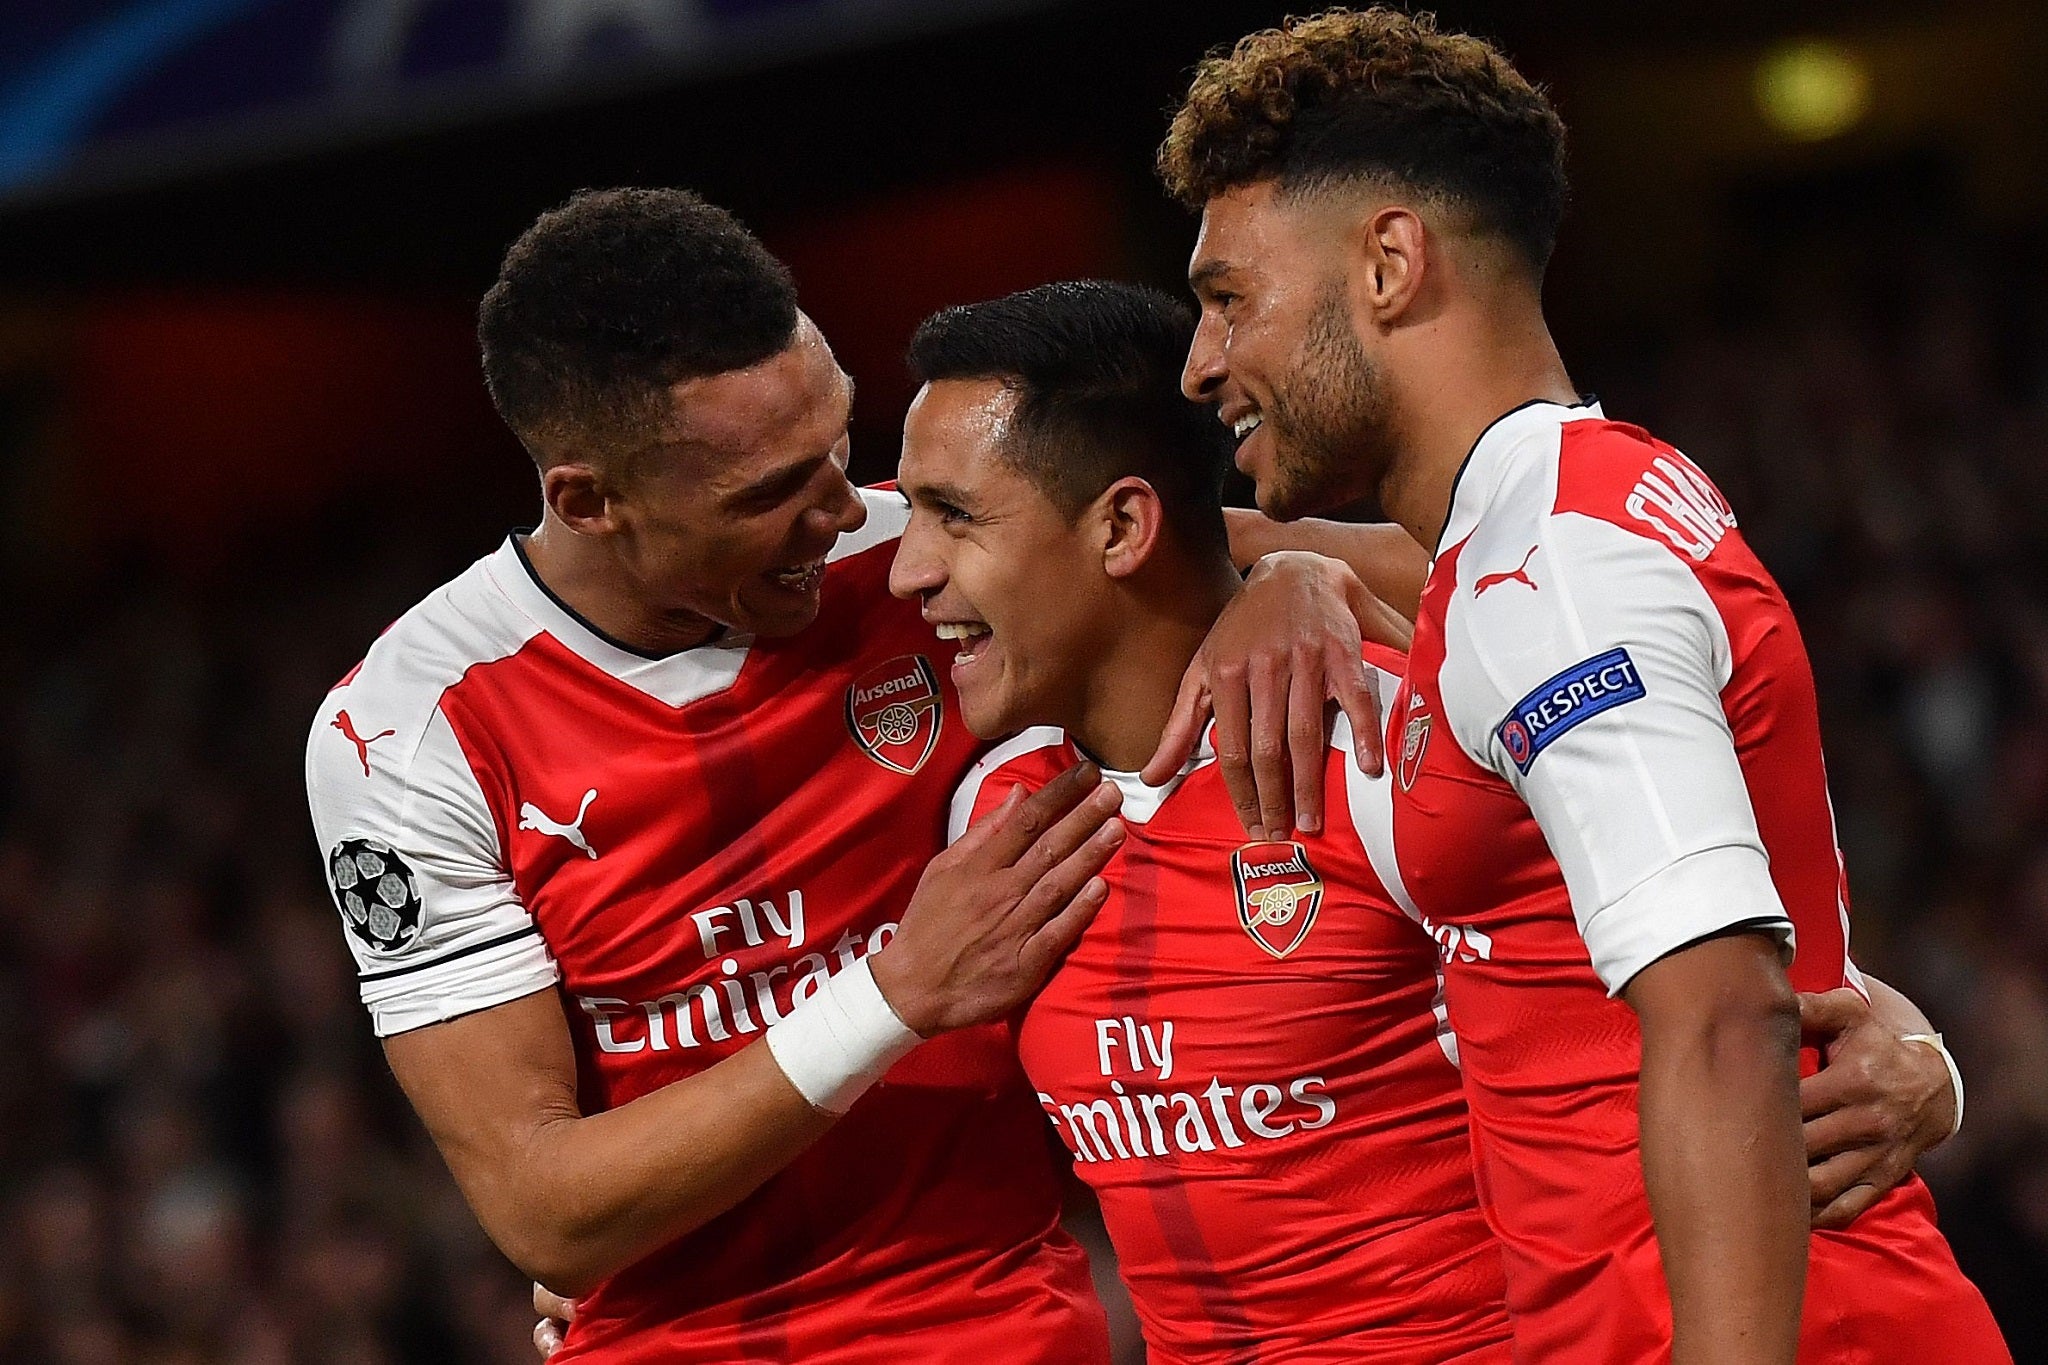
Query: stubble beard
[(1329, 421)]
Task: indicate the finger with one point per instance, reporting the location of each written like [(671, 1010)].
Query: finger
[(1825, 1091), (1039, 812), (1832, 1013), (1230, 694), (1062, 880), (1842, 1130), (981, 831), (1183, 728), (547, 1337), (1847, 1207), (549, 1304), (1268, 694), (1361, 706), (1057, 936), (1829, 1179), (1308, 739), (1069, 837)]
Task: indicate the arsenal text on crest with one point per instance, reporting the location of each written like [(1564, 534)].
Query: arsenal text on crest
[(1278, 894), (895, 710)]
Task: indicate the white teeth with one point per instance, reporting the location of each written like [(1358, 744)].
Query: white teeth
[(800, 576), (1247, 424), (960, 630)]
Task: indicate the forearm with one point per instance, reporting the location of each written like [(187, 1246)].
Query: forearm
[(1383, 555), (1724, 1166), (593, 1194), (572, 1198)]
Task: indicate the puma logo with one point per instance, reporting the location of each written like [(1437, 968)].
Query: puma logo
[(1517, 574), (347, 727), (533, 817)]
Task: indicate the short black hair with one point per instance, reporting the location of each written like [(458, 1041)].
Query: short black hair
[(611, 298), (1096, 367), (1375, 93)]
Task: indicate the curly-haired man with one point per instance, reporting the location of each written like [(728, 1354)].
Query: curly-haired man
[(1607, 752)]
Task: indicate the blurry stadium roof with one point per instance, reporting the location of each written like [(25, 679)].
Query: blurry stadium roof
[(401, 143), (112, 92)]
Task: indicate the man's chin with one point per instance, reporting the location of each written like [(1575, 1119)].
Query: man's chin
[(778, 622), (782, 625), (1280, 502)]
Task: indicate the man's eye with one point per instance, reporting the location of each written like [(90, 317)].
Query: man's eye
[(952, 515)]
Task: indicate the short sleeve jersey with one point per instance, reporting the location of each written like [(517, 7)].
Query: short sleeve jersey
[(1244, 1054), (1608, 747), (685, 847)]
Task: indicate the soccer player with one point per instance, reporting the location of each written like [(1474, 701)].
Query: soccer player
[(628, 826), (1245, 1051), (1608, 781)]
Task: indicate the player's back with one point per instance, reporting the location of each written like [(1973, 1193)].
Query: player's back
[(1243, 1053), (692, 843), (1627, 758)]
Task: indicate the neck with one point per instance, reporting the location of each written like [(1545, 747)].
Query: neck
[(590, 578), (1129, 694), (1504, 362)]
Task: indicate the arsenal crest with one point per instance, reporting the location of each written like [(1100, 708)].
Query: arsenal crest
[(894, 711), (1414, 740), (1278, 894)]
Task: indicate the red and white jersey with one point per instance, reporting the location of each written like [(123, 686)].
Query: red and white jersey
[(1607, 747), (1244, 1055), (686, 846)]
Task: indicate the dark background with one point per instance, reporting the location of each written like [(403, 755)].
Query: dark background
[(241, 429)]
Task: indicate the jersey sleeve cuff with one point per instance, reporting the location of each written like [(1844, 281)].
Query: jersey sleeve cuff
[(1701, 894), (459, 984)]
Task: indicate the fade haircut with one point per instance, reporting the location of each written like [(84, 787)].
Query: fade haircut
[(608, 300), (1375, 95), (1096, 370)]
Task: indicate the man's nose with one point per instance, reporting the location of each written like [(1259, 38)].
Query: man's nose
[(1204, 371), (852, 512), (914, 572)]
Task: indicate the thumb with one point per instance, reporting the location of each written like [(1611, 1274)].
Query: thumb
[(1183, 728), (1832, 1013)]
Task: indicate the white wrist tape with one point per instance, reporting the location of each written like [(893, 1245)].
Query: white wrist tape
[(1955, 1073), (839, 1042)]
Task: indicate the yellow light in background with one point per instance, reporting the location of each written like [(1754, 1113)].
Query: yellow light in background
[(1812, 90)]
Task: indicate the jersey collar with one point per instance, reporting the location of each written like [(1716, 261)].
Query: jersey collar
[(1490, 455), (1141, 802), (678, 679)]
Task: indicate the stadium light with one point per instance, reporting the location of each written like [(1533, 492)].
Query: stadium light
[(1812, 90)]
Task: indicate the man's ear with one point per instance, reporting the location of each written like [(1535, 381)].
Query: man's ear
[(1390, 261), (1133, 522), (580, 497)]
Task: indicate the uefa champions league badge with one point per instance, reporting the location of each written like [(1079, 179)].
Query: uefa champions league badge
[(894, 711), (377, 894), (1278, 894)]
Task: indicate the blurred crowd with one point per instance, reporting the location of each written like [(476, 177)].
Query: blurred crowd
[(202, 1158)]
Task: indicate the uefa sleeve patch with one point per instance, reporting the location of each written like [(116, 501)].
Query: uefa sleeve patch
[(1581, 692)]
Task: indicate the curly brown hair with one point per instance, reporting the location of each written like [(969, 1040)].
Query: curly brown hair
[(1374, 94)]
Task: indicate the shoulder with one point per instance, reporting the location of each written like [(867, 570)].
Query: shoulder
[(370, 731), (1031, 759)]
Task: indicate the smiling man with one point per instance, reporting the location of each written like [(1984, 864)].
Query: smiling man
[(1245, 1051), (634, 869), (1611, 766)]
